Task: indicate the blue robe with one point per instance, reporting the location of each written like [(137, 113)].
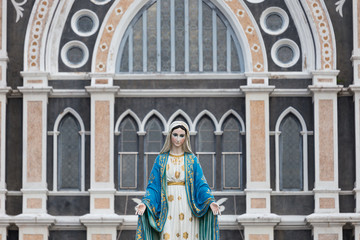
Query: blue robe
[(198, 195)]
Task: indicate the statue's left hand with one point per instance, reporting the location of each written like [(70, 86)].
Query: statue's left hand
[(215, 208)]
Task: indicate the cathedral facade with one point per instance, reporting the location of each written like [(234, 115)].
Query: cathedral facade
[(270, 91)]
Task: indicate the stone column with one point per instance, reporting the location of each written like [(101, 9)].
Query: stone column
[(326, 191), (356, 89), (34, 222), (102, 222), (258, 222), (357, 231), (3, 99)]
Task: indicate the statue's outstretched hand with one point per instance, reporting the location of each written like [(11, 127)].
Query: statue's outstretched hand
[(215, 208), (140, 209)]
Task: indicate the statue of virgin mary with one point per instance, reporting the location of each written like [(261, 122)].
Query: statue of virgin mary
[(178, 203)]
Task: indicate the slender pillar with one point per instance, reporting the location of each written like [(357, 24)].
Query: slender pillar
[(357, 231), (326, 191), (3, 100), (102, 221), (356, 89), (258, 222), (34, 222)]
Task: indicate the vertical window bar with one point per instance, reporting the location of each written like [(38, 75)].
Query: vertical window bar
[(201, 64), (131, 50), (145, 41), (228, 50), (187, 41), (158, 35), (214, 41), (172, 23)]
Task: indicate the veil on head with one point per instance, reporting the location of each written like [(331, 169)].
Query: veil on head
[(186, 146)]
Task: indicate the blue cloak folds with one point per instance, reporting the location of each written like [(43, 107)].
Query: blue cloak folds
[(198, 194)]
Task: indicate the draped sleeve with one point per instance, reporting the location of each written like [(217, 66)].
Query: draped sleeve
[(153, 220), (199, 198)]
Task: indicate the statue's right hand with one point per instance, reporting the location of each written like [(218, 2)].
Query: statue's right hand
[(140, 209)]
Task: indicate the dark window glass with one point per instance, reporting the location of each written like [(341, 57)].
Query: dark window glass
[(85, 24), (274, 21), (75, 55), (128, 154), (285, 54), (167, 41), (154, 136), (232, 154), (69, 154), (291, 154), (206, 148), (128, 136)]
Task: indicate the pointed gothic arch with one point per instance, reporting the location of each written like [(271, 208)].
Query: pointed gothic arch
[(69, 111), (304, 151)]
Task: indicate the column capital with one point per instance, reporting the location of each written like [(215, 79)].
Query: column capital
[(5, 90), (24, 220), (35, 90), (354, 88), (326, 78), (331, 219), (257, 89), (102, 79), (251, 219), (102, 89), (37, 79), (325, 89), (257, 79), (98, 220)]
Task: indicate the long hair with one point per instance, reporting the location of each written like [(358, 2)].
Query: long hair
[(186, 145)]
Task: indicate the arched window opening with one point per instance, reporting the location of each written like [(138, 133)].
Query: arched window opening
[(69, 154), (232, 155), (154, 141), (291, 154), (172, 36), (205, 148), (128, 154), (181, 118)]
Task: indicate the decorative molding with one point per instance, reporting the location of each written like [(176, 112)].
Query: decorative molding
[(52, 57), (236, 115), (181, 113), (128, 112), (201, 115), (36, 34), (323, 32), (18, 8), (247, 28), (149, 115), (339, 6)]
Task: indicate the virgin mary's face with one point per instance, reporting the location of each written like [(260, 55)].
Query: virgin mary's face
[(178, 137)]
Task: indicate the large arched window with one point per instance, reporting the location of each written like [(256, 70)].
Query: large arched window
[(171, 36), (291, 152), (69, 155), (153, 142), (205, 148), (128, 154), (232, 156)]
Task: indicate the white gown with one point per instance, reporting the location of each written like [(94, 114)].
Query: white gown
[(180, 222)]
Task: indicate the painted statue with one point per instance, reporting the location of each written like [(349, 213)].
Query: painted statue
[(178, 203)]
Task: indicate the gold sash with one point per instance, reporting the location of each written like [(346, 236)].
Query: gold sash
[(176, 183)]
